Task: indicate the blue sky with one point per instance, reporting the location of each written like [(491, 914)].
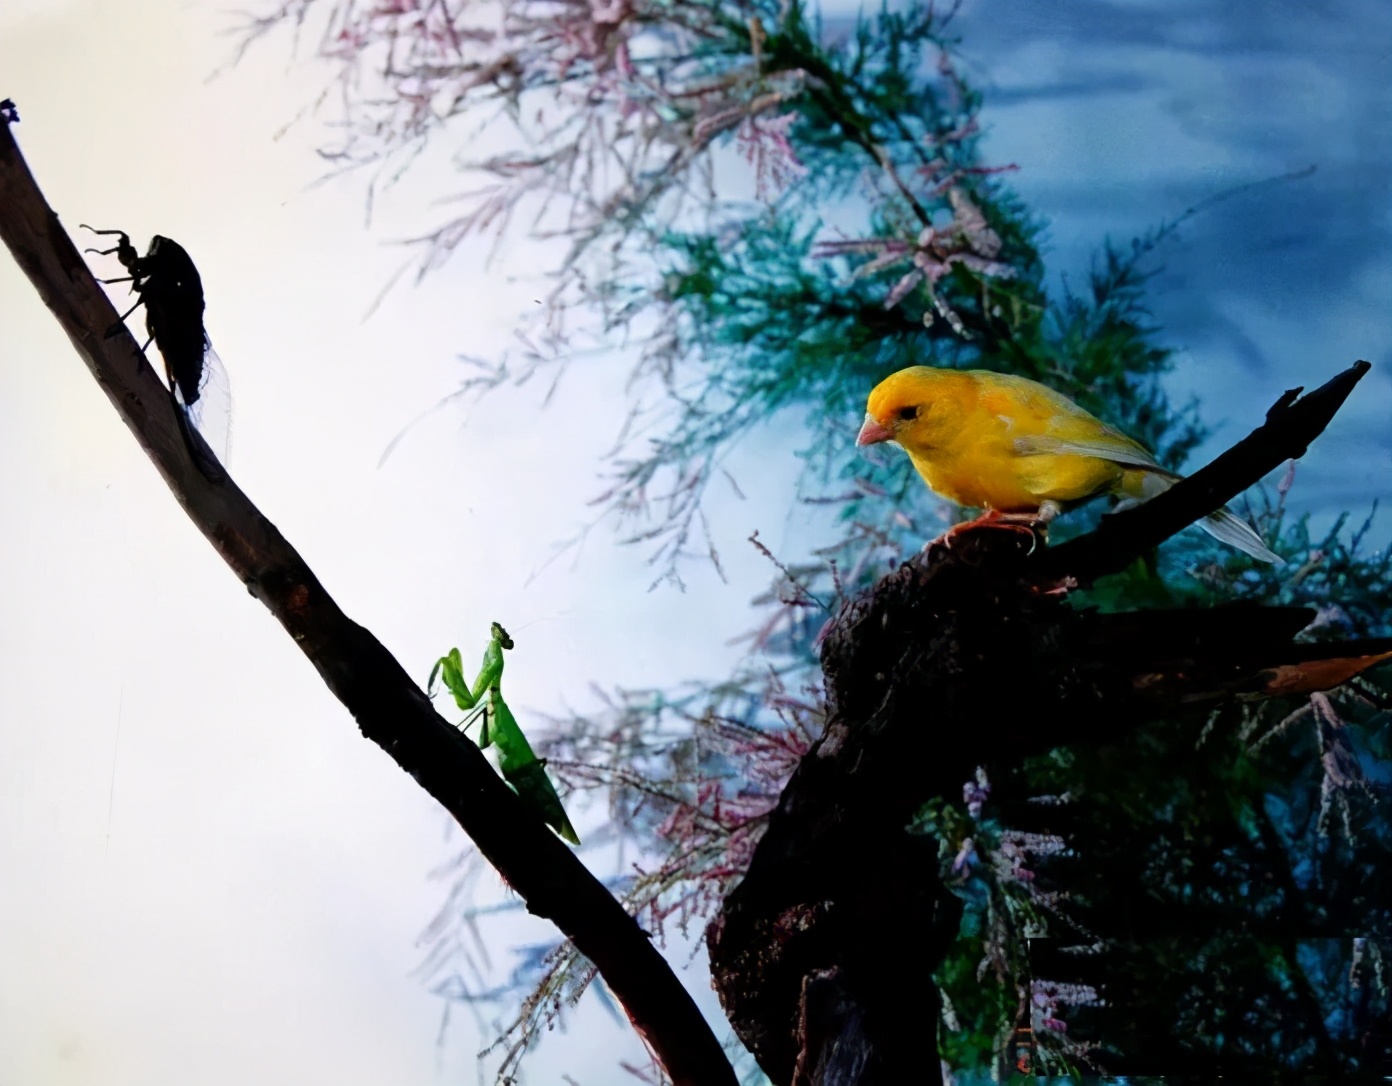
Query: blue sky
[(1123, 115)]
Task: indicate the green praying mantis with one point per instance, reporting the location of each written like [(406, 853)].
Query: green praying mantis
[(520, 766)]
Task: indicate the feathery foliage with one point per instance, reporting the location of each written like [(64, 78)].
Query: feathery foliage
[(778, 212)]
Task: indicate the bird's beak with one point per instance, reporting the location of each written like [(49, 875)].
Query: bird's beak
[(873, 431)]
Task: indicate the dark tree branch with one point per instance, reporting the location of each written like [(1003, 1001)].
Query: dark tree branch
[(1291, 424), (824, 954), (389, 707)]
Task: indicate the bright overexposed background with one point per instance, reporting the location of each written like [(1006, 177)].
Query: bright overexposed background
[(206, 875)]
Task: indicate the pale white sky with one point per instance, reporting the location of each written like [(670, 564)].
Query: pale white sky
[(208, 876)]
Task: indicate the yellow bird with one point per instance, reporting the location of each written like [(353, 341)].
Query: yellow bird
[(1020, 450)]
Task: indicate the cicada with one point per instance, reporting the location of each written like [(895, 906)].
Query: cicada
[(171, 291)]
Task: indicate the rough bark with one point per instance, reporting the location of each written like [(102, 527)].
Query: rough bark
[(824, 953)]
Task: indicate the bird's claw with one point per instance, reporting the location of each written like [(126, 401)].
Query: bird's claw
[(1034, 525)]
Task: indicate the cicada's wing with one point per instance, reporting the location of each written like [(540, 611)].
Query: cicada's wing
[(211, 412)]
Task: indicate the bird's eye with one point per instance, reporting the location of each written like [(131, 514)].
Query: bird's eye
[(908, 414)]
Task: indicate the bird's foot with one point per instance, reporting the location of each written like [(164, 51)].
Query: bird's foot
[(1035, 525)]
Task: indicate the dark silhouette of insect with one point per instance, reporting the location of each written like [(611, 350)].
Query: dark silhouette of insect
[(9, 112), (171, 291)]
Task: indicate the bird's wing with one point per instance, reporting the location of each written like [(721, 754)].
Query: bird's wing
[(1043, 422), (1025, 404), (1070, 430), (1105, 444)]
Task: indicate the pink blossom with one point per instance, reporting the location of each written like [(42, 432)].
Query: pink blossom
[(975, 793)]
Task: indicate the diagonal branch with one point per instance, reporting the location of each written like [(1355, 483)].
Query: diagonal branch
[(388, 706), (1292, 423)]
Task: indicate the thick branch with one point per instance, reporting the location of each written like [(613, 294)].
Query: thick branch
[(1291, 424), (955, 660), (388, 706)]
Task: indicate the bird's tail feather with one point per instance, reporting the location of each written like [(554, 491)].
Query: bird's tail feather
[(1224, 525), (1227, 527)]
